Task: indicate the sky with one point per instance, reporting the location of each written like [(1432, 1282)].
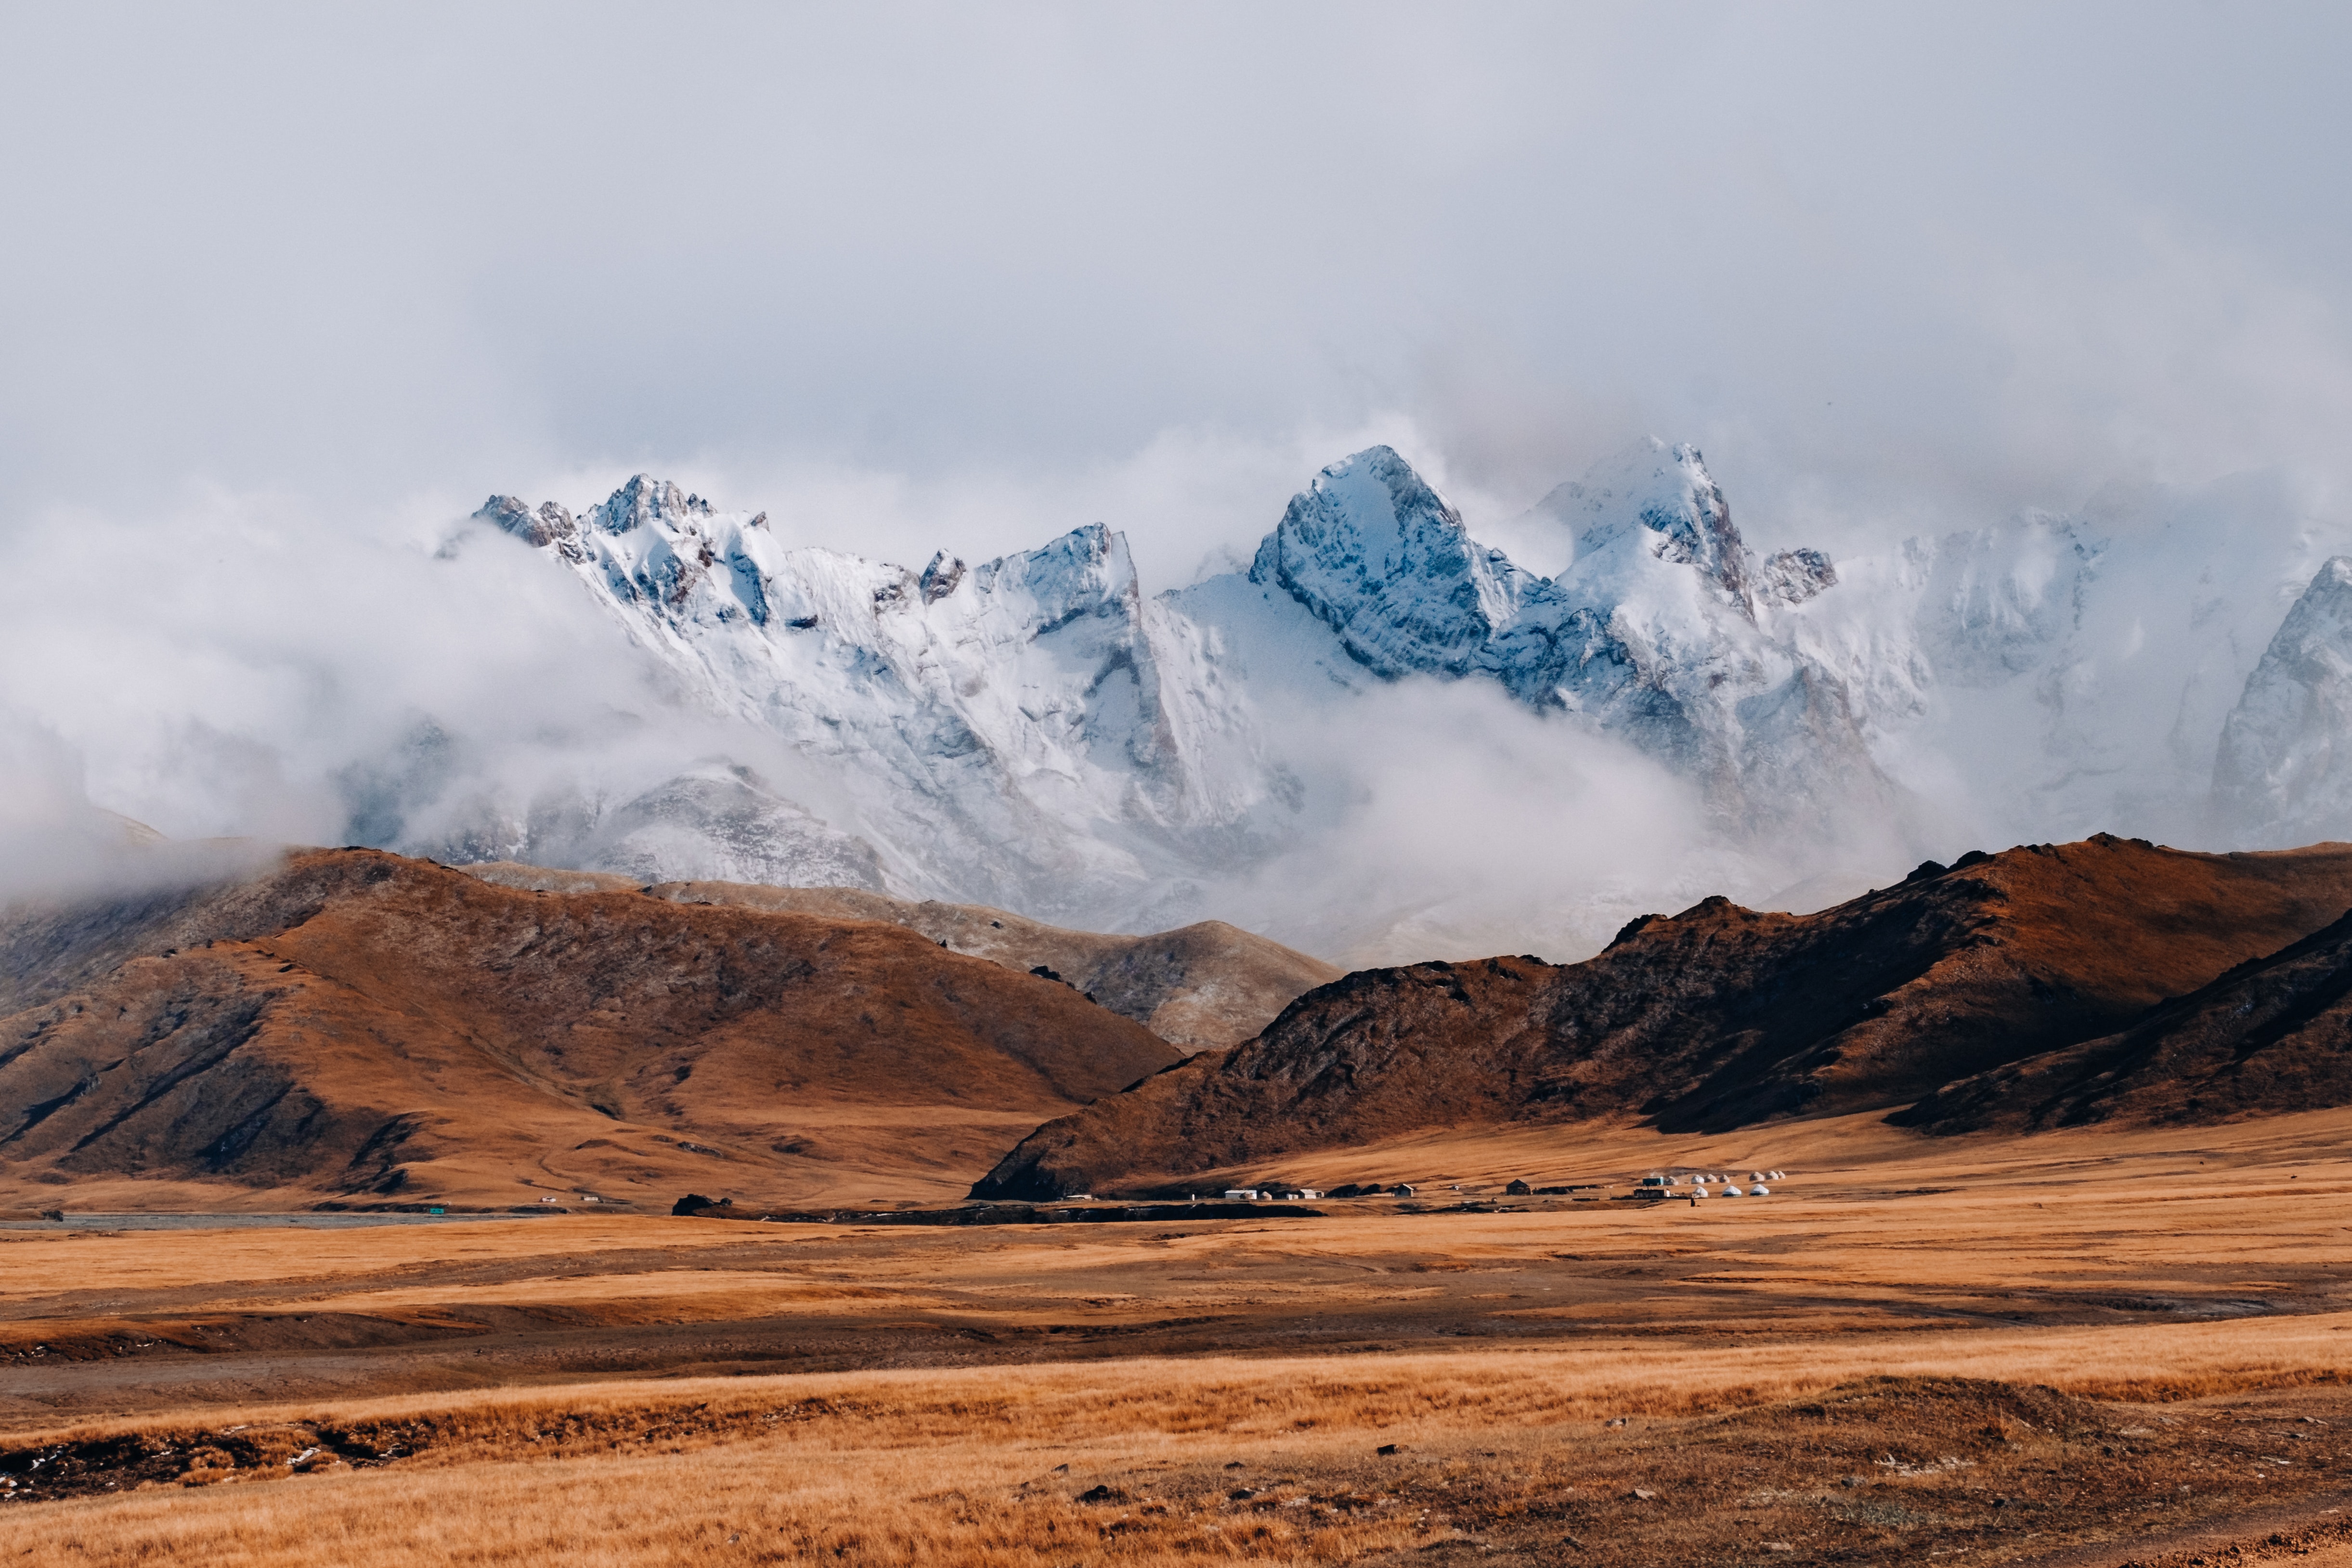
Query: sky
[(291, 287), (988, 261)]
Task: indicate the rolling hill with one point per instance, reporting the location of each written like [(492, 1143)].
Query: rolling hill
[(1207, 984), (361, 1029)]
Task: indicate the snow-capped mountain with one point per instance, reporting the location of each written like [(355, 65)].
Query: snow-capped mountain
[(1038, 732), (2284, 767), (1035, 731), (2050, 676), (1654, 633), (1031, 731)]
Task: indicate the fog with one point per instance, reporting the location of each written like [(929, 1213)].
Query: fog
[(292, 288)]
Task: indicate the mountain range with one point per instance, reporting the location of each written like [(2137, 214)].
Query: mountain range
[(1038, 733)]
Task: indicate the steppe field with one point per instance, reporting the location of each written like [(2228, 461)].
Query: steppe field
[(2079, 1348)]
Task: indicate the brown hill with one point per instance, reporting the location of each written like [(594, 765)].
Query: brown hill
[(1719, 1017), (361, 1028), (1204, 985), (2272, 1034)]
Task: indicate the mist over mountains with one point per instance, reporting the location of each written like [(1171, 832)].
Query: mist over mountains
[(1381, 738)]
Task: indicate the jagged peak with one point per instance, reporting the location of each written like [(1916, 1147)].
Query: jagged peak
[(1088, 565), (1660, 496), (1378, 556), (940, 578), (2335, 575), (1370, 515), (647, 500), (507, 512), (548, 525)]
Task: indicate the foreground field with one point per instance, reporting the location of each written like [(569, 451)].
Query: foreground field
[(2068, 1349)]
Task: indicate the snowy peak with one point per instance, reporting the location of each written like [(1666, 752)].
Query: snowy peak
[(940, 578), (1012, 719), (1382, 561), (661, 553), (1373, 509), (1651, 634), (552, 523), (1030, 730), (1660, 501), (1086, 571)]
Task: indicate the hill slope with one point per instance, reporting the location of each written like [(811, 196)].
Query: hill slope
[(2272, 1034), (1207, 984), (1718, 1016), (361, 1027)]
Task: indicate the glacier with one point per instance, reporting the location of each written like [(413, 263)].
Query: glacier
[(1039, 733)]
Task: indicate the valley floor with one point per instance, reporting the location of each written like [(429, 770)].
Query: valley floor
[(2079, 1348)]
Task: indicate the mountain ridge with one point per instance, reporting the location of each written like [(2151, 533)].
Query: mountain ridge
[(1716, 1017), (1207, 984)]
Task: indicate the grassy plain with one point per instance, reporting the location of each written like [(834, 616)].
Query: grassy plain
[(2079, 1348)]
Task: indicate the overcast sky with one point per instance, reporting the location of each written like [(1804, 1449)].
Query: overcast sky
[(1017, 267)]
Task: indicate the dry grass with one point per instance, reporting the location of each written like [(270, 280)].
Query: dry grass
[(2047, 1351), (920, 1468)]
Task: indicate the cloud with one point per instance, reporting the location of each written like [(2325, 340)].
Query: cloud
[(360, 257), (54, 842), (48, 833), (1445, 821), (218, 668)]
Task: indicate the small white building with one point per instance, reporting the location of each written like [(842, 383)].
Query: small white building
[(1241, 1195)]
